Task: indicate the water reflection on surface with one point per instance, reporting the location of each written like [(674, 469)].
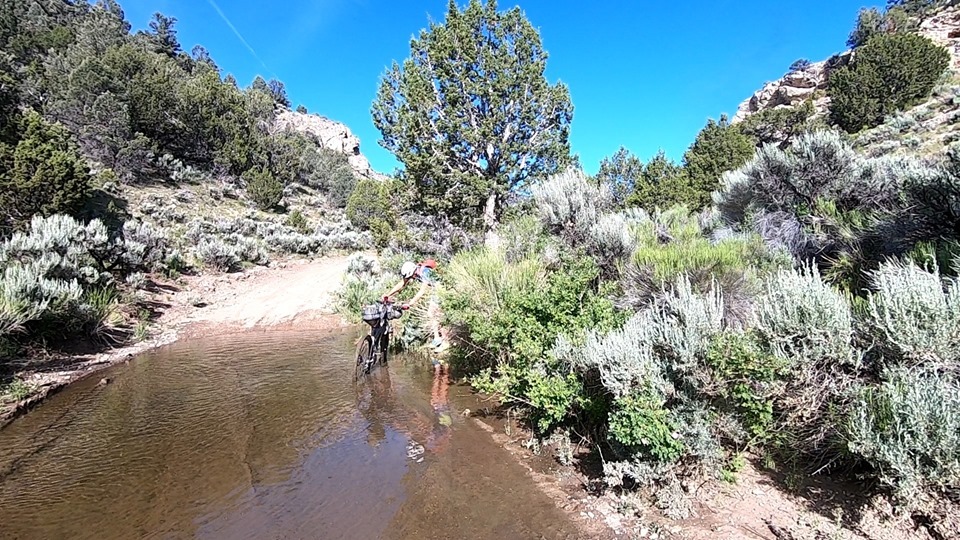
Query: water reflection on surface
[(262, 435)]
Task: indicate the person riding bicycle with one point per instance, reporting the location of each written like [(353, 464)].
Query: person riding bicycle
[(423, 273)]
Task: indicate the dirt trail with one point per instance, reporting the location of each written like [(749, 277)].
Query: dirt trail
[(298, 292)]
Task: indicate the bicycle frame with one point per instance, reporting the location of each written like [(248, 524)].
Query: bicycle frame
[(379, 341)]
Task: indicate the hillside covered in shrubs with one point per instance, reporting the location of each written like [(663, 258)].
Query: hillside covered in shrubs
[(124, 158), (788, 291)]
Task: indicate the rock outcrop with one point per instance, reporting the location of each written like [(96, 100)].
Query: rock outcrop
[(796, 87), (943, 28), (331, 135)]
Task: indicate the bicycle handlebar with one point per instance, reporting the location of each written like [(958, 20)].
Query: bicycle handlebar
[(387, 301)]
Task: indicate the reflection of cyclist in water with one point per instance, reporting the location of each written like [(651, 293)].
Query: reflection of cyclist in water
[(375, 405), (441, 408), (378, 403)]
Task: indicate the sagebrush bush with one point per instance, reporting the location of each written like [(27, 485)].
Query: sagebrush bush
[(28, 293), (625, 359), (809, 325), (360, 266), (570, 204), (916, 315), (820, 200), (249, 249), (144, 246), (60, 247), (64, 272), (612, 239), (804, 319), (522, 237), (908, 430), (215, 253), (659, 349)]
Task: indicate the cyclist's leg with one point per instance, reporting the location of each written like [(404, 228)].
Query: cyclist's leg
[(383, 344)]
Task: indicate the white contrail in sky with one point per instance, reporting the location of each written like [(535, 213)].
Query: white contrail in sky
[(238, 34)]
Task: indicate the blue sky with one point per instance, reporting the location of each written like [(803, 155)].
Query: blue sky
[(645, 75)]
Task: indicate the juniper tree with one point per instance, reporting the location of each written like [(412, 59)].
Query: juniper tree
[(889, 73), (471, 115)]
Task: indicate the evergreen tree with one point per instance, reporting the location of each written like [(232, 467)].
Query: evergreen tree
[(621, 172), (163, 35), (41, 174), (718, 148), (889, 73), (470, 114)]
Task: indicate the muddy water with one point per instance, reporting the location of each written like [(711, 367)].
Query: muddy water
[(262, 435)]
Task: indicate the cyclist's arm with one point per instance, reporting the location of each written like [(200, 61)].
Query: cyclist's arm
[(397, 288), (423, 289)]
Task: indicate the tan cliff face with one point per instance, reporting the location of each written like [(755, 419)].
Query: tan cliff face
[(811, 83), (331, 135)]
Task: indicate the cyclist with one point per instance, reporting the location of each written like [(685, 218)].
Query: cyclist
[(423, 273)]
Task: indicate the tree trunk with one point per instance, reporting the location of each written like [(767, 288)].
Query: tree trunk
[(491, 239)]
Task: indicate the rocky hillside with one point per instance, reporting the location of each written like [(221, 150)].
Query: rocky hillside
[(811, 82), (329, 134)]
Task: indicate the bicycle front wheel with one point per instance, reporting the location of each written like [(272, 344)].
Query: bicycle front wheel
[(364, 357)]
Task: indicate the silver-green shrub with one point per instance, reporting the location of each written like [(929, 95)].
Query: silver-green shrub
[(611, 239), (215, 253), (804, 319), (625, 359), (59, 247), (916, 314), (144, 246), (249, 249), (28, 293), (361, 265), (908, 429), (686, 322), (810, 326), (570, 204)]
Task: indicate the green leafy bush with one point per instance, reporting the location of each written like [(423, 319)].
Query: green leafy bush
[(748, 376), (889, 73), (640, 423), (297, 221), (510, 313)]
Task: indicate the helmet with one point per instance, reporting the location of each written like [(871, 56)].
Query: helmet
[(408, 269)]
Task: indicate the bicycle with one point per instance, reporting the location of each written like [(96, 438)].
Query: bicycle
[(372, 349)]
